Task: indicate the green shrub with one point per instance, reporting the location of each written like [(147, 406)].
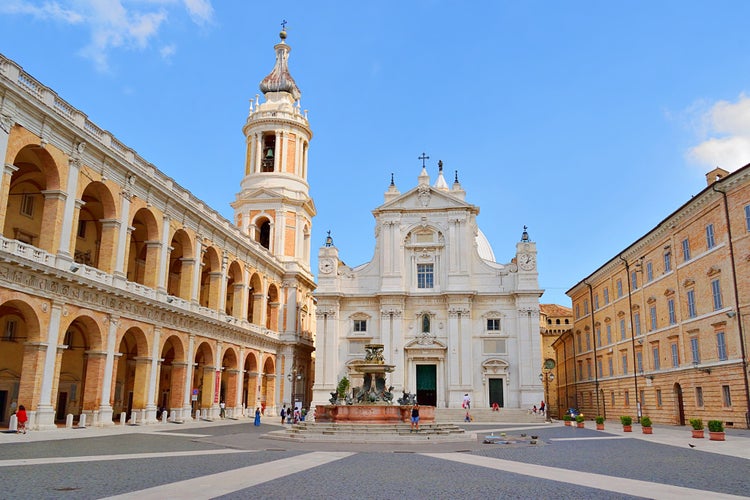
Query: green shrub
[(599, 420), (715, 426), (645, 422), (626, 420), (697, 424), (567, 417), (580, 419), (343, 387)]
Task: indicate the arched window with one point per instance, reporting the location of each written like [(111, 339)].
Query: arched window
[(265, 234)]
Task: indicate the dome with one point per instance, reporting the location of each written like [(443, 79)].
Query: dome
[(483, 247), (280, 80)]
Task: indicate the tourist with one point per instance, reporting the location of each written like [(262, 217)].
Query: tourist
[(22, 419), (467, 401), (283, 414), (257, 417), (222, 409), (541, 407), (289, 415), (467, 418), (534, 409), (495, 406), (414, 418)]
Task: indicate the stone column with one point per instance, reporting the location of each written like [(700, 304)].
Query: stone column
[(186, 406), (8, 172), (161, 285), (277, 153), (105, 407), (45, 412), (122, 237), (156, 360), (63, 253), (195, 292)]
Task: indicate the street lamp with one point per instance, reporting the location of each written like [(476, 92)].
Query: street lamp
[(547, 376), (294, 376)]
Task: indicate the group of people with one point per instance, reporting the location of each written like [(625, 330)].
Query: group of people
[(540, 410), (292, 415)]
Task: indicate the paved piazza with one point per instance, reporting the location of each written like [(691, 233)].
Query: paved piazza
[(232, 460)]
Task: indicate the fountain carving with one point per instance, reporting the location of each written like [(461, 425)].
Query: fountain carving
[(372, 402)]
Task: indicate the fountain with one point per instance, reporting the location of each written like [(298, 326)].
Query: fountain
[(372, 402)]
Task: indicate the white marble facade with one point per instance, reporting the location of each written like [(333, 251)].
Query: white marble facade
[(452, 320)]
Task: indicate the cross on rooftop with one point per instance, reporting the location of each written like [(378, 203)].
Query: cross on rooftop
[(283, 25), (423, 158)]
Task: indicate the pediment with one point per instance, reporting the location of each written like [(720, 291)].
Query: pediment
[(425, 197), (425, 341)]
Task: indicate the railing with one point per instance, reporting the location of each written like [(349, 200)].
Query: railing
[(26, 251), (139, 289), (95, 274)]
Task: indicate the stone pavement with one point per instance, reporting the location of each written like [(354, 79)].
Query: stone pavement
[(231, 459)]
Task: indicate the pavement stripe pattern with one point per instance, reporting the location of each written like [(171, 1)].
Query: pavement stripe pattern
[(224, 483), (600, 481)]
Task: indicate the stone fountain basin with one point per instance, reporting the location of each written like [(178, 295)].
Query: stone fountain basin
[(371, 414)]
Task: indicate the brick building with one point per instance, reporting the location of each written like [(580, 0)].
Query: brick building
[(120, 292), (661, 328)]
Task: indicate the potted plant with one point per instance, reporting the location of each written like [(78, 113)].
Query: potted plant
[(646, 425), (567, 419), (697, 425), (599, 423), (627, 423), (579, 421), (716, 430)]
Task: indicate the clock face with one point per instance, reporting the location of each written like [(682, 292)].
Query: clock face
[(549, 364), (526, 261), (326, 266)]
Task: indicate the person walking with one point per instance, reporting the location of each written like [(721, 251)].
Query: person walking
[(257, 417), (283, 414), (542, 407), (22, 419), (467, 401), (414, 418), (222, 409)]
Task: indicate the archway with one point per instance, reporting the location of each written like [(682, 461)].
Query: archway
[(204, 376), (94, 233), (210, 279), (132, 370), (181, 264), (172, 374), (268, 383), (143, 253), (272, 307), (233, 301), (19, 342), (229, 378), (81, 369), (255, 300), (251, 394)]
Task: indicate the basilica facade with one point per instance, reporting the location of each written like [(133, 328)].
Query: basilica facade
[(451, 319), (122, 295)]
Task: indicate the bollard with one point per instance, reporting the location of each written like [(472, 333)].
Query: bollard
[(164, 417), (13, 425), (82, 420), (133, 417), (69, 421), (123, 418)]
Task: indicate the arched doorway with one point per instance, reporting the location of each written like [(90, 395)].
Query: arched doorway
[(143, 253), (171, 376), (229, 378), (19, 334), (93, 232), (132, 369), (203, 377), (251, 394), (180, 264), (81, 369)]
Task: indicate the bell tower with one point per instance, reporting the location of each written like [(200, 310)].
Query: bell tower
[(274, 206)]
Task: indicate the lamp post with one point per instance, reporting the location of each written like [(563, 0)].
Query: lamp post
[(293, 377), (547, 376)]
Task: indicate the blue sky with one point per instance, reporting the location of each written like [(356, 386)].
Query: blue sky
[(587, 121)]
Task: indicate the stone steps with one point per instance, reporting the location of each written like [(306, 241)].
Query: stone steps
[(369, 433)]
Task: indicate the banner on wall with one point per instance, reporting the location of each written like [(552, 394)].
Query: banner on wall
[(217, 386)]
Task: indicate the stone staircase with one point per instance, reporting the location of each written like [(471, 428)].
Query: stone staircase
[(371, 433), (486, 415)]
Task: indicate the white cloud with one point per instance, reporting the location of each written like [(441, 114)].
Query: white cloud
[(129, 24), (168, 51), (725, 129), (201, 11)]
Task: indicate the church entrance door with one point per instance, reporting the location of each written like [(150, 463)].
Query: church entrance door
[(496, 392), (427, 385)]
